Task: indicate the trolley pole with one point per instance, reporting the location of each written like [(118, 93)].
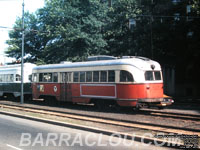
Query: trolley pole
[(22, 57)]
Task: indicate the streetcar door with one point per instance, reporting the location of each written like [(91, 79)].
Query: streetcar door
[(66, 86)]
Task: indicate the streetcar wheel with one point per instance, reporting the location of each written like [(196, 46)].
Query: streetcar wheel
[(101, 105), (11, 97), (50, 100), (160, 107)]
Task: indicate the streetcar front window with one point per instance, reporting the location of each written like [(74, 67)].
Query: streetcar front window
[(149, 75), (157, 75), (152, 75)]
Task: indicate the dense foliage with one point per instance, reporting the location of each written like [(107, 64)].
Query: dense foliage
[(74, 29)]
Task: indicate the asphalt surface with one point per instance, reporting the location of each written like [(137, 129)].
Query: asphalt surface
[(22, 134)]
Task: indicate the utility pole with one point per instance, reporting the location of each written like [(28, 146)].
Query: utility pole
[(22, 57)]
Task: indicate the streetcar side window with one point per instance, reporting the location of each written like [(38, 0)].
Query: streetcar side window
[(95, 76), (76, 76), (111, 76), (30, 78), (18, 77), (40, 77), (1, 78), (6, 78), (47, 77), (103, 76), (12, 77), (89, 76), (126, 76), (55, 77), (82, 76), (149, 75)]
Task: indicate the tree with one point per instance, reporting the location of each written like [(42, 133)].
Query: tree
[(121, 39), (62, 30), (74, 29), (31, 42)]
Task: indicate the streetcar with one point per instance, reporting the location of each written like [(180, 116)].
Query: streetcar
[(10, 81), (129, 81)]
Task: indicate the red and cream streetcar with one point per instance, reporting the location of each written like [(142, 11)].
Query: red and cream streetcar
[(129, 81)]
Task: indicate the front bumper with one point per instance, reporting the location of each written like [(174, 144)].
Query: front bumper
[(157, 102), (150, 100)]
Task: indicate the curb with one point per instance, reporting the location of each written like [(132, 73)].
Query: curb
[(147, 140)]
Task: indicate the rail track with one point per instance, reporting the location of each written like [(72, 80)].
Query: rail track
[(191, 117), (111, 121)]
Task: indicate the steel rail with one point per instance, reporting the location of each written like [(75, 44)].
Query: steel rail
[(103, 120)]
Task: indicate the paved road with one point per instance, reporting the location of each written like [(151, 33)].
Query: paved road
[(22, 134)]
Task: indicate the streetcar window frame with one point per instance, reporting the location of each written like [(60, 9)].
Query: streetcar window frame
[(82, 76), (66, 77), (63, 77), (6, 78), (126, 76), (11, 77), (103, 76), (55, 77), (34, 77), (1, 78), (76, 77), (149, 76), (17, 77), (111, 76), (96, 76), (47, 77), (69, 75), (88, 76), (153, 76), (50, 77), (41, 77), (157, 75), (30, 78)]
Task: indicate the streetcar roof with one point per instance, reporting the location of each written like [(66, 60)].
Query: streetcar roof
[(140, 63), (15, 68)]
